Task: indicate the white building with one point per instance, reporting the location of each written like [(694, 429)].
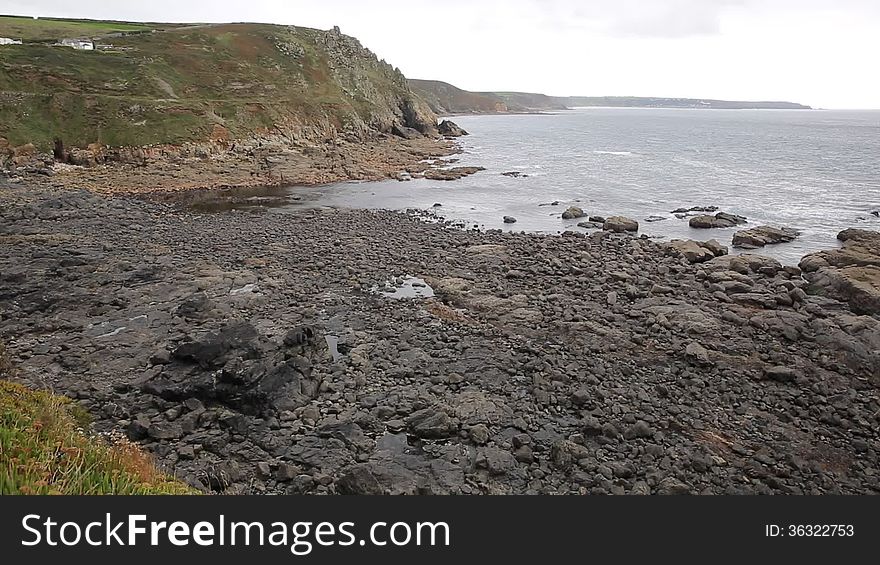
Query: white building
[(83, 44), (8, 41)]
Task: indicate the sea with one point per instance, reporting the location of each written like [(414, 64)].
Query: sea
[(817, 171)]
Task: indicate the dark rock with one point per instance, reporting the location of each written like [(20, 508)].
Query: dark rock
[(640, 429), (509, 220), (781, 374), (620, 224), (165, 430), (763, 235), (359, 480), (431, 424), (450, 129), (454, 173), (405, 132), (213, 350), (719, 220), (573, 213), (497, 461), (138, 428)]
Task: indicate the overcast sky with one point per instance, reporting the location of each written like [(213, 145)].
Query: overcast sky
[(818, 52)]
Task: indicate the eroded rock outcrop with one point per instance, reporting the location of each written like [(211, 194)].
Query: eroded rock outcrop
[(451, 129), (760, 236), (851, 273), (719, 220)]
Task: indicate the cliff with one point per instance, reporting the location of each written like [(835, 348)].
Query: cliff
[(197, 83), (444, 98)]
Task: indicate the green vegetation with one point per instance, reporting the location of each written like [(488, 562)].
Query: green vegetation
[(53, 29), (178, 84), (44, 450), (443, 98)]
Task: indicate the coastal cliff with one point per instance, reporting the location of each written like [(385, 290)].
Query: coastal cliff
[(197, 91)]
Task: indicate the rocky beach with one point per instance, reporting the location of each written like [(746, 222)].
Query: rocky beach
[(336, 351)]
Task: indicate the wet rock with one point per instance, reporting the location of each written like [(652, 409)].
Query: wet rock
[(573, 213), (695, 209), (509, 220), (719, 220), (620, 224), (514, 174), (451, 174), (763, 235)]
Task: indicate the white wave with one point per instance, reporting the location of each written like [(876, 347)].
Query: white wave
[(621, 153)]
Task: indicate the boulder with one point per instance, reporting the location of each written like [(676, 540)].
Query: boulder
[(763, 235), (620, 224), (698, 251), (509, 220), (573, 213), (719, 220), (451, 129)]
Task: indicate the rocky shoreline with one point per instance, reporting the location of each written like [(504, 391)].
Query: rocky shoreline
[(259, 162), (256, 352)]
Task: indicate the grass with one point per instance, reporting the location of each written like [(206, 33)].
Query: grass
[(45, 450), (53, 29)]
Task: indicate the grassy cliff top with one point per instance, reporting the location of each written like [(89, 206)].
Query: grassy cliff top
[(30, 29), (180, 83)]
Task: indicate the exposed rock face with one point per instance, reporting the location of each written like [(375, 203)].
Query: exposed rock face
[(852, 273), (719, 220), (760, 236), (620, 224), (450, 129), (573, 213)]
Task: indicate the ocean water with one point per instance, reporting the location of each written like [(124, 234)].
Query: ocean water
[(816, 171)]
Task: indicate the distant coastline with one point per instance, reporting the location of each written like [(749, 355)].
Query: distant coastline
[(447, 99)]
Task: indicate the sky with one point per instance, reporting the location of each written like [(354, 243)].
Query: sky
[(818, 52)]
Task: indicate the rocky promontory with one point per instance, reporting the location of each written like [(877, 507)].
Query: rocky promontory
[(284, 105), (351, 351)]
